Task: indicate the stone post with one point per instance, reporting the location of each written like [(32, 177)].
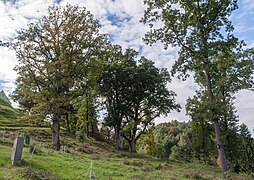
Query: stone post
[(17, 150)]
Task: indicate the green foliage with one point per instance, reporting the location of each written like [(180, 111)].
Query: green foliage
[(246, 148), (54, 56), (183, 149), (81, 135), (236, 149), (74, 161), (162, 140), (135, 93), (202, 130), (173, 139), (60, 73), (208, 48), (86, 113), (147, 144)]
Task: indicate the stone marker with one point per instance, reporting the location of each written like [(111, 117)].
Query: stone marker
[(17, 150)]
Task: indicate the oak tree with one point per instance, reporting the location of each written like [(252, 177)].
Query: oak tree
[(54, 55), (204, 33)]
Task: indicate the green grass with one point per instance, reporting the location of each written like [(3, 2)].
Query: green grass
[(8, 113), (74, 163)]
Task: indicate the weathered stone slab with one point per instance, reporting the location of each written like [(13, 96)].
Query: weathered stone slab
[(17, 150)]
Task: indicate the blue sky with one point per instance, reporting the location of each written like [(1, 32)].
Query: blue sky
[(120, 19)]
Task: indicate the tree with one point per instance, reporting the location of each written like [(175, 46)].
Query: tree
[(203, 31), (183, 149), (54, 56), (113, 83), (230, 129), (174, 139), (135, 95), (148, 97), (162, 140), (201, 127), (147, 143), (87, 114), (245, 161), (25, 102)]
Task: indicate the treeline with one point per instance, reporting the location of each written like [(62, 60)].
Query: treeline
[(190, 141), (69, 73)]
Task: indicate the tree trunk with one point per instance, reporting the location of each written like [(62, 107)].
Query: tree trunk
[(55, 133), (118, 137), (222, 162), (203, 141), (73, 124), (87, 116), (67, 122), (132, 144)]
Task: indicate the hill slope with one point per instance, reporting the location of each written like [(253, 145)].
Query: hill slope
[(8, 114), (4, 100), (76, 158)]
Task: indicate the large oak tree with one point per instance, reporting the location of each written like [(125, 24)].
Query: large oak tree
[(136, 93), (54, 56), (204, 33)]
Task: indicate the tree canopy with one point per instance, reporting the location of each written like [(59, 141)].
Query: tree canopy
[(136, 93), (54, 56)]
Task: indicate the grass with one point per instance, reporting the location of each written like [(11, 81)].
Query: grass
[(74, 162), (50, 164)]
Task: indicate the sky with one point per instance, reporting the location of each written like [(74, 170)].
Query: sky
[(120, 19)]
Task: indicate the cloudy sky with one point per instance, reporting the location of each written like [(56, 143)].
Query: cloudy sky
[(120, 19)]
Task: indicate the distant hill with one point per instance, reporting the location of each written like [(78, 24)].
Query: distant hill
[(8, 114), (4, 100)]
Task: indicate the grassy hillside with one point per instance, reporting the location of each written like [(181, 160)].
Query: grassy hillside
[(9, 116), (74, 160), (4, 99), (75, 165)]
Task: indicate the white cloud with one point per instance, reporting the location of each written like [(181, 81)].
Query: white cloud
[(7, 63), (245, 106)]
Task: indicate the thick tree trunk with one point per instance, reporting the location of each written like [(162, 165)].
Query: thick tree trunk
[(132, 144), (222, 162), (118, 137), (56, 133), (221, 158)]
